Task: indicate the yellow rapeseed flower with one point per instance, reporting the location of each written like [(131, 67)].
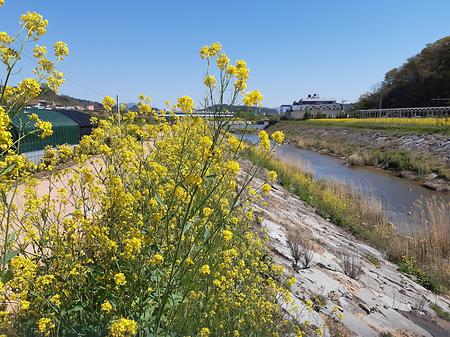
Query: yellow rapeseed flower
[(204, 52), (61, 50), (204, 332), (106, 306), (253, 98), (272, 175), (45, 127), (227, 235), (186, 104), (108, 103), (39, 51), (264, 139), (222, 61), (120, 279), (210, 81), (123, 327), (45, 325), (233, 166), (265, 188), (56, 300), (5, 135), (24, 305), (29, 88), (157, 259), (207, 211), (34, 23), (278, 136), (214, 49), (205, 269)]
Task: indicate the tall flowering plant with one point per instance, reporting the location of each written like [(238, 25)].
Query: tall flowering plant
[(149, 232), (14, 167)]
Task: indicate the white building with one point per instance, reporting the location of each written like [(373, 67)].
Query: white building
[(285, 108), (314, 106)]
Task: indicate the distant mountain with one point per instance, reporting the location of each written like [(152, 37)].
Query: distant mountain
[(51, 98), (423, 80)]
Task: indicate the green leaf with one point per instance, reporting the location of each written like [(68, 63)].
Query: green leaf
[(158, 198), (11, 237), (10, 255), (7, 169), (76, 308), (7, 276)]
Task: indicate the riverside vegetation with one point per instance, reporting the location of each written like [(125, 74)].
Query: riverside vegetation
[(424, 256), (321, 135), (146, 231)]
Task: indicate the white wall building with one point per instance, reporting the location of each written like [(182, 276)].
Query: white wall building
[(285, 108), (313, 105)]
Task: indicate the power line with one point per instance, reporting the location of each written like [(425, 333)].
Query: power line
[(68, 79)]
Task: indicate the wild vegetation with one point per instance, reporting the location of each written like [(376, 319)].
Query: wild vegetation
[(423, 255), (422, 78), (147, 232), (389, 121)]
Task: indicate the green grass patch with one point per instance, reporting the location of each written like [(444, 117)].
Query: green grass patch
[(374, 260), (414, 129), (441, 313)]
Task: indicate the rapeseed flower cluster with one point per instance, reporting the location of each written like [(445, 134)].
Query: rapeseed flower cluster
[(13, 98), (149, 231), (253, 98)]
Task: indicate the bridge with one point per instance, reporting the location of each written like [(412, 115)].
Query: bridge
[(203, 113)]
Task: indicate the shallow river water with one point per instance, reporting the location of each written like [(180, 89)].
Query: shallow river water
[(401, 199)]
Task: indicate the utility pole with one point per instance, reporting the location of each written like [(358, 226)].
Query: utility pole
[(118, 108), (342, 106), (381, 103)]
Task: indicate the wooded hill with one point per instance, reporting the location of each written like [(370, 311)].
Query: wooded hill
[(51, 97), (418, 82)]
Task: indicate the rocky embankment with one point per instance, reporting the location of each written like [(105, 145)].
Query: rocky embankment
[(431, 151), (379, 301)]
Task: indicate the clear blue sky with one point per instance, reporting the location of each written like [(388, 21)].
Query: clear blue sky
[(337, 49)]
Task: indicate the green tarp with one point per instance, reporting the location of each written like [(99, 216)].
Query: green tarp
[(65, 130)]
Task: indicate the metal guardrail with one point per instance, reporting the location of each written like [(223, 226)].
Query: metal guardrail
[(438, 111)]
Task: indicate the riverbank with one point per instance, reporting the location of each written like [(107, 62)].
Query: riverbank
[(423, 255), (421, 157), (378, 301)]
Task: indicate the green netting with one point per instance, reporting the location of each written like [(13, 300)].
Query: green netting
[(65, 130)]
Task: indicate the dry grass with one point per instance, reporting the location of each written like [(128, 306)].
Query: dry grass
[(351, 264), (301, 249)]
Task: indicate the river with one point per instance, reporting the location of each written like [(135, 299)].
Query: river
[(401, 199)]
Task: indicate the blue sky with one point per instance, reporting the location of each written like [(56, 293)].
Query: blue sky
[(337, 49)]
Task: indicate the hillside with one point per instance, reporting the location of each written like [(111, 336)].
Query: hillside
[(418, 82), (51, 97)]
